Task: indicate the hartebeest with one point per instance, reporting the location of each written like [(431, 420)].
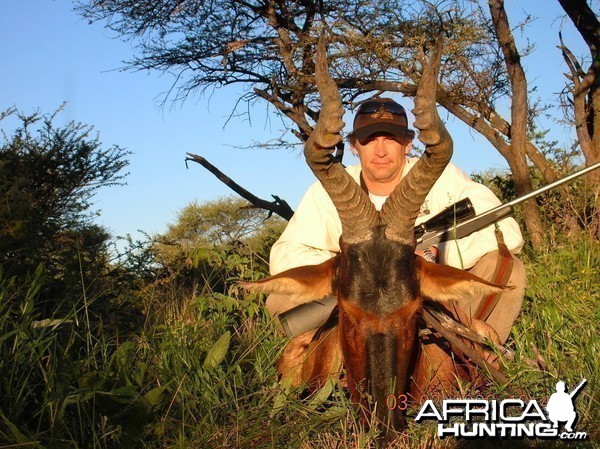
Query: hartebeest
[(379, 282)]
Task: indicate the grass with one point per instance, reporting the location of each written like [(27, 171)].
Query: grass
[(200, 371)]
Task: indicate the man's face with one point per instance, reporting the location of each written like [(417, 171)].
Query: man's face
[(382, 159)]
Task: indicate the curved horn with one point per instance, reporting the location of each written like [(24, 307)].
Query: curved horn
[(356, 212), (400, 210)]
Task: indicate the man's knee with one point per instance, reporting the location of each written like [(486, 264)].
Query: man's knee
[(277, 304)]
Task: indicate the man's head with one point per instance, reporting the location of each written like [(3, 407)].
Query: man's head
[(560, 387), (381, 115), (381, 139)]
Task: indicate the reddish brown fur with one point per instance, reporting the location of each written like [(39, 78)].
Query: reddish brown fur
[(438, 372), (294, 357), (309, 362), (312, 362), (302, 284), (323, 359), (444, 283), (355, 327)]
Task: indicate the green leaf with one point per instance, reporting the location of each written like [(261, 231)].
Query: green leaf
[(282, 397), (127, 391), (15, 434), (217, 353), (140, 374), (154, 397), (8, 335), (322, 394), (47, 322)]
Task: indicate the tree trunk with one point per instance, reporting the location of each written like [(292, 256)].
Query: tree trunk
[(517, 154)]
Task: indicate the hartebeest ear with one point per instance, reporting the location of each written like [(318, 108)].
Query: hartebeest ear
[(444, 283), (302, 284)]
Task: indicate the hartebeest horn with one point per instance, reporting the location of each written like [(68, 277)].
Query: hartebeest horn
[(357, 214), (400, 210)]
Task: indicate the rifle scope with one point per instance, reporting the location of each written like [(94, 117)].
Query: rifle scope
[(453, 214)]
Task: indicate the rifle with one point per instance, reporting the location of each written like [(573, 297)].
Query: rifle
[(579, 387), (460, 229), (455, 222)]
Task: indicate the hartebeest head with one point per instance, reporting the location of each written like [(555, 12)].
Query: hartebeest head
[(379, 282)]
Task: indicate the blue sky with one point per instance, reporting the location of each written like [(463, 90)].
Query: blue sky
[(50, 55)]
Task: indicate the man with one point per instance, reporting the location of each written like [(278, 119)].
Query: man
[(382, 140), (560, 407)]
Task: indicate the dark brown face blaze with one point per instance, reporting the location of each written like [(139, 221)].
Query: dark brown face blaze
[(378, 294), (377, 275), (379, 301)]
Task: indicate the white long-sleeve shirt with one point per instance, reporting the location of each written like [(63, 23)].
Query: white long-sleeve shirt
[(312, 235)]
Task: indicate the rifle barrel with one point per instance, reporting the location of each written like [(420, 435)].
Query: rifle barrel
[(554, 184), (579, 387), (471, 225)]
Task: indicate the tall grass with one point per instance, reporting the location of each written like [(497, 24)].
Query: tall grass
[(560, 325), (200, 371)]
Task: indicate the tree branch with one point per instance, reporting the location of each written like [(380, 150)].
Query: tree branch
[(298, 119), (585, 20), (586, 110), (480, 117), (579, 103), (279, 206)]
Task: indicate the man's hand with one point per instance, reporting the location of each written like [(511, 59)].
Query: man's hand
[(429, 254)]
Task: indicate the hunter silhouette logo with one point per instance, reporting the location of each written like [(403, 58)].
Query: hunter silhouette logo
[(507, 418), (560, 406)]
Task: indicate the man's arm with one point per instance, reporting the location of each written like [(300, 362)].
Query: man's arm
[(312, 235), (464, 253)]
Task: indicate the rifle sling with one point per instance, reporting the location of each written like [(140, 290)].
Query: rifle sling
[(502, 273)]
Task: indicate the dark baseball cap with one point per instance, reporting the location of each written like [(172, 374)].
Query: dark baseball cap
[(381, 115)]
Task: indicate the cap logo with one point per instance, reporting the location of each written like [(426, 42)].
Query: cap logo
[(382, 113)]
